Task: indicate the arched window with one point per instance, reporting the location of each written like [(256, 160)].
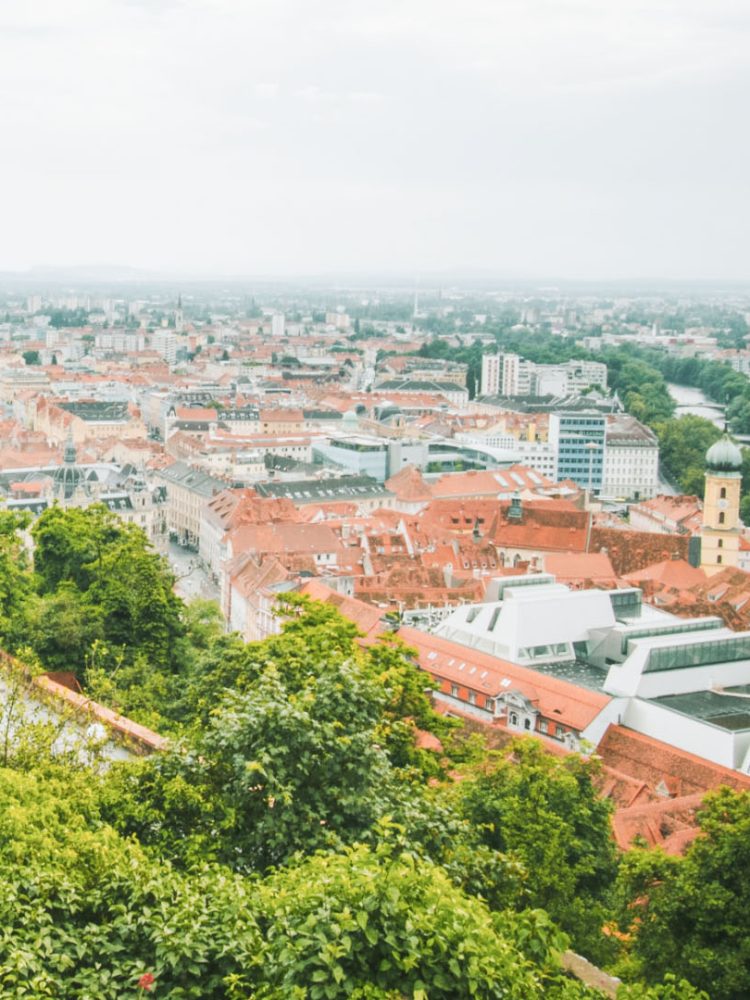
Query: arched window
[(718, 559), (526, 724), (721, 543), (513, 719), (721, 517), (723, 492)]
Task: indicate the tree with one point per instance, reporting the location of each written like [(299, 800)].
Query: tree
[(546, 812), (31, 358), (123, 587), (296, 770), (85, 913), (689, 915), (683, 443), (342, 923), (15, 580)]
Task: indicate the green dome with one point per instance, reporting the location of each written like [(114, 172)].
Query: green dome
[(724, 456)]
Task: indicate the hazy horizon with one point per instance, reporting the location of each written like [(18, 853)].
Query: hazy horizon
[(531, 140)]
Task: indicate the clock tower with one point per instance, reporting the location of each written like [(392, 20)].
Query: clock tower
[(720, 534)]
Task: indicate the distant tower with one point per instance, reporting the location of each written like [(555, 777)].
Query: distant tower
[(179, 316), (720, 534)]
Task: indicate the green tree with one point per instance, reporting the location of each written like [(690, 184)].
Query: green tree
[(688, 915), (15, 580), (546, 812), (31, 358), (338, 923), (124, 588), (683, 443)]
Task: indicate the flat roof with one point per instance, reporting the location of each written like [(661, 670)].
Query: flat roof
[(726, 711), (574, 672)]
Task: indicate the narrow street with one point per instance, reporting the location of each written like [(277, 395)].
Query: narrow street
[(192, 579)]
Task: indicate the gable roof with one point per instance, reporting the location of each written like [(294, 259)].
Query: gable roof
[(566, 703)]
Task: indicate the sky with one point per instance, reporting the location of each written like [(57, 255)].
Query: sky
[(581, 139)]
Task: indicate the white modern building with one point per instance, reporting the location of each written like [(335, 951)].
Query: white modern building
[(277, 325), (683, 681), (165, 343)]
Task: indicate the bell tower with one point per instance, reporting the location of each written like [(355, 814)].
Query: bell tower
[(720, 534)]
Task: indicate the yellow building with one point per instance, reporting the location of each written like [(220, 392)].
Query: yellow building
[(720, 534)]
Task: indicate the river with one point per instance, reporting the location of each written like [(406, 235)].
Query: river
[(690, 400)]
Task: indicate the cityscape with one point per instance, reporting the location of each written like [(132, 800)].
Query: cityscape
[(375, 531)]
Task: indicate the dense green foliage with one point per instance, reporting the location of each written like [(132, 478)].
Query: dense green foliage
[(545, 811), (690, 913), (295, 841)]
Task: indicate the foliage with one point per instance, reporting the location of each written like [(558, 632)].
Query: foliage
[(683, 443), (15, 581), (545, 811), (100, 582), (84, 913), (689, 914), (337, 923)]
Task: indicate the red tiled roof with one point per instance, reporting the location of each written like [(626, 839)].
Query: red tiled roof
[(669, 824), (367, 618), (566, 703), (670, 573), (580, 566), (657, 763)]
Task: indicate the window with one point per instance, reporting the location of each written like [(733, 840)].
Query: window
[(721, 517), (513, 719), (721, 543), (454, 690), (526, 724), (543, 727), (472, 698), (718, 559), (489, 704), (723, 492)]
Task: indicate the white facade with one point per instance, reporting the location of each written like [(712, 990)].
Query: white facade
[(277, 325), (165, 344), (630, 471)]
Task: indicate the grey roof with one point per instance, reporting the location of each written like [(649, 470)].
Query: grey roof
[(326, 490), (96, 410), (418, 385), (181, 474), (727, 711), (322, 415)]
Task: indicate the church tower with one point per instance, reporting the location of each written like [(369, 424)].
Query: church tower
[(179, 316), (720, 534)]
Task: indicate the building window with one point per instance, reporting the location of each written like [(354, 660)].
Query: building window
[(513, 719), (718, 559), (472, 698), (543, 727), (721, 517), (723, 492), (526, 724), (454, 690), (489, 704), (721, 543)]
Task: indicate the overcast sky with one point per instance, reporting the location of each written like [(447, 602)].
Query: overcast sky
[(531, 138)]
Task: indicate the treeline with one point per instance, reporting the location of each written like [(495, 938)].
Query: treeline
[(639, 376), (299, 840)]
